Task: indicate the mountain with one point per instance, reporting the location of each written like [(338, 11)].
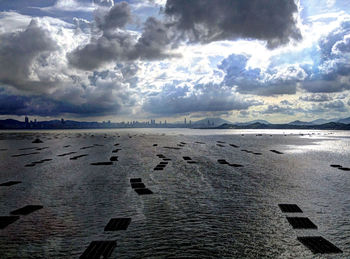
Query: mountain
[(298, 122), (323, 121), (345, 120), (252, 122), (257, 125), (212, 122)]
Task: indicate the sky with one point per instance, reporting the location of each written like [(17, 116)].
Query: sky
[(278, 60)]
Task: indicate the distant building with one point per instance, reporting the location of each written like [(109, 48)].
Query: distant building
[(26, 122), (185, 121), (62, 121)]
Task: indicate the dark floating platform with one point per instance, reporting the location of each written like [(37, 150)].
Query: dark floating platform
[(160, 165), (336, 166), (116, 224), (155, 145), (7, 220), (176, 148), (186, 158), (233, 145), (67, 154), (66, 146), (319, 245), (116, 150), (117, 144), (113, 158), (220, 145), (163, 163), (191, 162), (222, 162), (26, 210), (102, 163), (290, 208), (27, 154), (276, 151), (27, 148), (99, 249), (37, 141), (301, 223), (158, 168), (143, 191), (76, 157), (135, 180), (87, 147), (222, 142), (9, 183), (41, 148), (166, 159), (198, 142), (344, 168), (160, 156), (137, 185)]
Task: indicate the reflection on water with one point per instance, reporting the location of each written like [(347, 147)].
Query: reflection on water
[(200, 210)]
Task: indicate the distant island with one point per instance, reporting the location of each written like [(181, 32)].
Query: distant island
[(208, 123)]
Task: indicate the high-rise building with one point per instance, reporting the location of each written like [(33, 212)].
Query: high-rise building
[(185, 121)]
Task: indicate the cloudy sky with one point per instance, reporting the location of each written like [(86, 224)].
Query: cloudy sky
[(278, 60)]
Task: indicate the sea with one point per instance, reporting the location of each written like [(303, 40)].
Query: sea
[(217, 196)]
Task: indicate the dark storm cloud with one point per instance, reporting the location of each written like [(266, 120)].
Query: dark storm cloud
[(18, 51), (255, 81), (117, 17), (45, 106), (119, 45), (205, 98), (272, 21)]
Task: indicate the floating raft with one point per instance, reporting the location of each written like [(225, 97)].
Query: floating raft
[(76, 157), (191, 162), (113, 158), (319, 245), (7, 220), (116, 224), (301, 223), (67, 154), (222, 162), (135, 180), (27, 154), (276, 151), (290, 208), (344, 168), (26, 210), (137, 185), (99, 249), (186, 158), (102, 163), (143, 191), (9, 183), (336, 166)]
